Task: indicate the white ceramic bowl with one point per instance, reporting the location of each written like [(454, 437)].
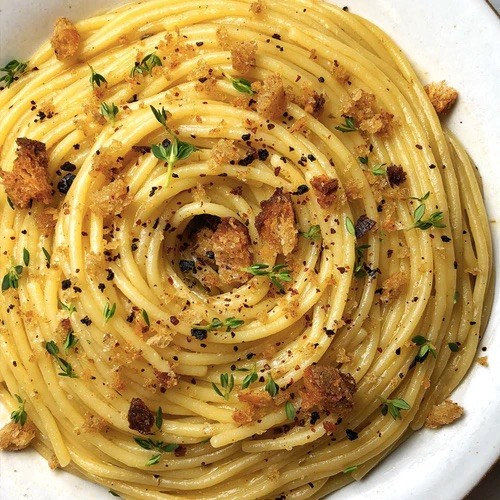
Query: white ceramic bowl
[(454, 40)]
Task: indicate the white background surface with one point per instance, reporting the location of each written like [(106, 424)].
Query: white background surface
[(456, 40)]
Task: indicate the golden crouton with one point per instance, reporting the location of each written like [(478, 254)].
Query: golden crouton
[(441, 96), (65, 39)]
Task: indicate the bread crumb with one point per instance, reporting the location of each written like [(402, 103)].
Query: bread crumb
[(15, 437), (243, 56), (65, 39), (224, 152), (443, 414), (271, 99), (441, 96), (325, 188), (111, 199), (393, 286), (258, 7), (483, 361)]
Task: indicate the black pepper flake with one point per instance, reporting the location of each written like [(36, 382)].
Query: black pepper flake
[(445, 238), (77, 289), (321, 79), (134, 247), (396, 175), (199, 333), (398, 351), (329, 333), (76, 147), (101, 287), (311, 157), (345, 9), (65, 183), (432, 166), (314, 417), (276, 36), (246, 137), (248, 160), (363, 225), (419, 146), (110, 275), (263, 154), (141, 149), (302, 189), (199, 44), (86, 321), (187, 266), (68, 167), (210, 255), (65, 284), (351, 435)]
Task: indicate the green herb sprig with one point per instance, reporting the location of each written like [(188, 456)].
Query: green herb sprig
[(377, 169), (109, 111), (161, 115), (277, 274), (242, 85), (159, 418), (96, 80), (46, 255), (349, 225), (68, 308), (70, 341), (394, 407), (426, 347), (158, 446), (109, 311), (227, 385), (145, 67), (290, 411), (271, 386), (66, 368), (11, 279), (359, 270), (19, 416), (433, 221), (313, 233), (13, 70), (347, 126), (250, 378), (350, 469), (229, 324), (145, 317)]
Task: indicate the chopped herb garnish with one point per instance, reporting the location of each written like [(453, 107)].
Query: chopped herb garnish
[(424, 197), (109, 111), (250, 378), (96, 80), (363, 160), (145, 317), (12, 70), (19, 416), (433, 221), (453, 346), (348, 126), (349, 225), (242, 85), (271, 386), (149, 444), (394, 407), (146, 65), (70, 309), (52, 348), (350, 469), (109, 311), (70, 341), (11, 279), (160, 115), (313, 233), (289, 410), (359, 270), (277, 274), (26, 257), (229, 324), (226, 383), (175, 151), (159, 418), (379, 169), (47, 255), (425, 348), (66, 368), (153, 460)]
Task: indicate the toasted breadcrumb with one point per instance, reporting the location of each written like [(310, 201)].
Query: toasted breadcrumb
[(53, 462), (483, 360), (258, 7), (361, 107), (393, 286), (276, 223), (243, 56), (271, 99), (325, 188), (15, 437), (255, 399), (46, 220), (224, 151), (443, 414), (29, 178), (111, 199), (339, 72), (109, 162), (441, 96), (327, 388), (223, 38), (65, 39), (244, 416), (314, 104), (94, 423), (167, 380), (353, 190), (231, 247), (173, 50)]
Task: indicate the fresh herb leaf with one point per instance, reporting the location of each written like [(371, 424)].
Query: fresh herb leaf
[(426, 347), (145, 317), (159, 418), (350, 469), (423, 198), (350, 226), (109, 311), (313, 233), (66, 368), (70, 309), (70, 341), (242, 85), (359, 270), (153, 460), (453, 346), (109, 111), (229, 324), (96, 80), (47, 255), (393, 407), (433, 221), (160, 115), (26, 257), (249, 379), (12, 70), (363, 160), (289, 410), (11, 279), (348, 126), (52, 348), (114, 493), (19, 416), (271, 386), (226, 383), (278, 274), (378, 169), (146, 65)]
